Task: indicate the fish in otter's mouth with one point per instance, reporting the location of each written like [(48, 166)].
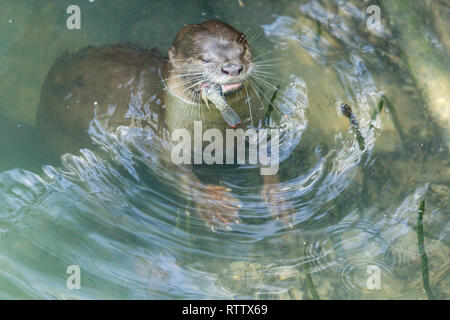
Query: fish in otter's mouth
[(226, 89), (231, 88), (215, 94)]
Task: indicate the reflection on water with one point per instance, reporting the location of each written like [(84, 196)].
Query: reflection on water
[(116, 213)]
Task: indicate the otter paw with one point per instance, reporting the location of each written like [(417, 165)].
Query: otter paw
[(277, 204), (217, 207)]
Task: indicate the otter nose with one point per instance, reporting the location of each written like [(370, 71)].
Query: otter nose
[(232, 69)]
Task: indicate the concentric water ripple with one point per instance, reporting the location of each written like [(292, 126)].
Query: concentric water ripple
[(126, 218)]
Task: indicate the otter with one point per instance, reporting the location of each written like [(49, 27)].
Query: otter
[(204, 60)]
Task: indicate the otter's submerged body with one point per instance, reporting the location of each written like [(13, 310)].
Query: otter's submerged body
[(116, 82), (127, 85), (94, 82)]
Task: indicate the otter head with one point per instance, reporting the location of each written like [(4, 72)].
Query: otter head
[(209, 54)]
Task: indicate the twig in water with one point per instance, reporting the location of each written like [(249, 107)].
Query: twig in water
[(423, 255), (309, 282)]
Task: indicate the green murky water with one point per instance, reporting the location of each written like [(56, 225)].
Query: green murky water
[(355, 208)]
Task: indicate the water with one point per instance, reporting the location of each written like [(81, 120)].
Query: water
[(116, 213)]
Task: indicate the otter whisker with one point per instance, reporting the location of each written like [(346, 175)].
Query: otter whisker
[(180, 85), (265, 60), (258, 75), (182, 71), (266, 75), (268, 64), (265, 82), (263, 72), (254, 90), (190, 81), (181, 59), (190, 112), (201, 112), (195, 84), (255, 36), (261, 92), (194, 107), (177, 77), (197, 105), (186, 73), (243, 35), (249, 106), (265, 63), (262, 54), (197, 98), (267, 68)]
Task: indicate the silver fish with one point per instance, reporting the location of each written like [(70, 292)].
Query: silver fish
[(214, 94)]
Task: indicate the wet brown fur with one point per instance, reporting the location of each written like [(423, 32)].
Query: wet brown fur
[(107, 77)]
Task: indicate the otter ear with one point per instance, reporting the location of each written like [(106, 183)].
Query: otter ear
[(171, 52)]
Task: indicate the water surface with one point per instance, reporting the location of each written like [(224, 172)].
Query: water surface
[(116, 213)]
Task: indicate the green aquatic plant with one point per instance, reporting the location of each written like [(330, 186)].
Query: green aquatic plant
[(347, 111), (424, 59), (395, 120), (377, 111), (384, 102), (309, 281), (422, 253), (270, 106)]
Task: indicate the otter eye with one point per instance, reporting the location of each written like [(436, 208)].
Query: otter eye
[(205, 60)]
